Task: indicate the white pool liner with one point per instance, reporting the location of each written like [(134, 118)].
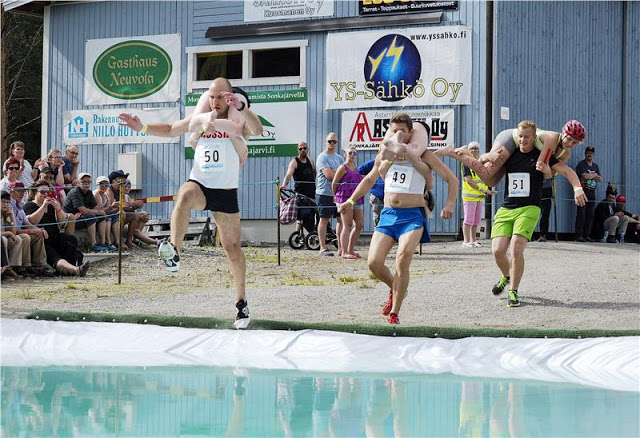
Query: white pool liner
[(612, 363)]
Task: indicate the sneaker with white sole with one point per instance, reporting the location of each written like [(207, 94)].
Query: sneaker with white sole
[(169, 256), (242, 318), (467, 244)]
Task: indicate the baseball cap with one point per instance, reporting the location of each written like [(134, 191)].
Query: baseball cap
[(117, 174), (590, 149), (47, 170), (621, 199), (102, 178), (83, 174), (16, 184)]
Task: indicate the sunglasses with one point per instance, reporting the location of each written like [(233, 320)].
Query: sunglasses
[(13, 168), (353, 153), (332, 141), (302, 149)]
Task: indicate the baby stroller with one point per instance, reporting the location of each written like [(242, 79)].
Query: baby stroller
[(308, 218)]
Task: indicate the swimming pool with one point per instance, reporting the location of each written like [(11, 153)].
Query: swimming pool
[(93, 379)]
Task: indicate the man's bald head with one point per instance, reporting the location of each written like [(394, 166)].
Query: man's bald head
[(220, 85)]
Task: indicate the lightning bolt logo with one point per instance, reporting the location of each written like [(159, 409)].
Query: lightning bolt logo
[(392, 51), (395, 51)]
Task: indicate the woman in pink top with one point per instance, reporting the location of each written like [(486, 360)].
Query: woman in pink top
[(344, 184)]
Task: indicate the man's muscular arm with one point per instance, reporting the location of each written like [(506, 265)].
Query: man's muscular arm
[(447, 175)]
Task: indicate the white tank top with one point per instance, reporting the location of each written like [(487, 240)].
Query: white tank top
[(402, 177), (216, 164)]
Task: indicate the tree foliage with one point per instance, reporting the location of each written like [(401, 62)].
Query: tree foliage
[(22, 46)]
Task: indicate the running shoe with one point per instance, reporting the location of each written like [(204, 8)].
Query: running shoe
[(393, 319), (513, 298), (168, 253), (242, 318), (389, 304), (476, 244), (467, 244), (498, 288)]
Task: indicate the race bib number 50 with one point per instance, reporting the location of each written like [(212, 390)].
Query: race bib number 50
[(210, 158), (519, 185)]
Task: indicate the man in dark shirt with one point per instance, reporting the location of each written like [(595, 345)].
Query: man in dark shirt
[(589, 174), (81, 200), (303, 171), (515, 221)]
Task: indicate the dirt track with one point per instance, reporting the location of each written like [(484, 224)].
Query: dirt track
[(567, 285)]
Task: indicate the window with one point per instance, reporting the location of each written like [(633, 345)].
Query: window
[(225, 64), (253, 64), (275, 62)]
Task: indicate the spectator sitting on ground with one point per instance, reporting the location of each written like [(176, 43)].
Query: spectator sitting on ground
[(80, 200), (133, 206), (609, 221), (633, 229), (8, 230), (8, 275), (71, 164), (106, 203), (62, 249), (34, 257)]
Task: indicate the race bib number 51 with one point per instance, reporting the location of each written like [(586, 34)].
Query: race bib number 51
[(519, 185)]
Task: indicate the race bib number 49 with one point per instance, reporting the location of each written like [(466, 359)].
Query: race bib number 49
[(399, 178), (519, 185)]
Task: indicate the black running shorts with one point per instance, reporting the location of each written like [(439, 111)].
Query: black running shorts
[(222, 200)]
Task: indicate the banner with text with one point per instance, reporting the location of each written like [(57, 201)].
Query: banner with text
[(132, 70), (366, 129), (387, 7), (102, 126), (261, 10), (399, 67), (283, 114)]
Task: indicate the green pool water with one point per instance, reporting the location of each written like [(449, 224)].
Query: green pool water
[(208, 401)]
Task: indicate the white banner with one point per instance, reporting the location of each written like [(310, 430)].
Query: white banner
[(399, 67), (268, 10), (132, 70), (102, 126), (366, 129)]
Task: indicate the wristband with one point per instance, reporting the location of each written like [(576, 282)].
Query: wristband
[(351, 201), (144, 129), (575, 189)]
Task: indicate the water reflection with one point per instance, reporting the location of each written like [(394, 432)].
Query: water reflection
[(204, 401)]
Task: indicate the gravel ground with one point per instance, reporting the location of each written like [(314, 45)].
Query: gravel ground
[(566, 285)]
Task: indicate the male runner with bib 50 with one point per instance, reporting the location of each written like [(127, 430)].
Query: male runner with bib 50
[(213, 182)]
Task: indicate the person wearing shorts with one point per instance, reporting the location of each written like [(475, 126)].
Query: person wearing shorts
[(220, 151), (403, 219), (327, 163), (490, 166), (515, 221)]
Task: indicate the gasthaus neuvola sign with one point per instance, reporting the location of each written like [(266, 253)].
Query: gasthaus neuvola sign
[(137, 69)]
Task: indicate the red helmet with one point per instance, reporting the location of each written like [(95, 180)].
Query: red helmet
[(575, 129), (621, 199)]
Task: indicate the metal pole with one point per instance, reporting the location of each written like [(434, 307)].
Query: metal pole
[(121, 222), (555, 208), (278, 214)]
